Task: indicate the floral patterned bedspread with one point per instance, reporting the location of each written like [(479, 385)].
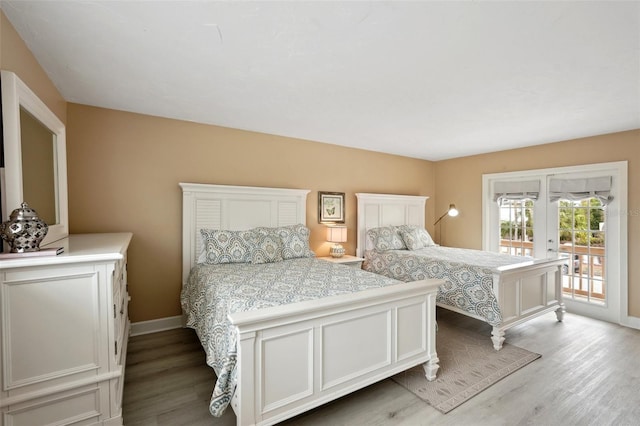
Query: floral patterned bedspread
[(468, 274), (214, 291)]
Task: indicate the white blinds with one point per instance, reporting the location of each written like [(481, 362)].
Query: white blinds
[(580, 189), (517, 190)]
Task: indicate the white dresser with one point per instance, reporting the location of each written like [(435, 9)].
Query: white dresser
[(63, 333)]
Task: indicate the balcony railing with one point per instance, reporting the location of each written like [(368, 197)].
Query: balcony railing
[(584, 274)]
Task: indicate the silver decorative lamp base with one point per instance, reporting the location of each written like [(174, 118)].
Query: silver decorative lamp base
[(336, 250)]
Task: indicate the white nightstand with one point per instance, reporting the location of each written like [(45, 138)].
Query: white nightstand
[(355, 262)]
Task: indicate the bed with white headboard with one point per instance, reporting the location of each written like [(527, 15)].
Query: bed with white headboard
[(292, 358), (522, 290)]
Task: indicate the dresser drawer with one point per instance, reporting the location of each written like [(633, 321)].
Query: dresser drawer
[(82, 406), (119, 279), (121, 313), (117, 384), (124, 282), (120, 306)]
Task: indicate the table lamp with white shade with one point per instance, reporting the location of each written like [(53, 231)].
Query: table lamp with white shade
[(337, 234)]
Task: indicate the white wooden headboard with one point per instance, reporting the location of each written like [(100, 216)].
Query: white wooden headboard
[(234, 208), (375, 210)]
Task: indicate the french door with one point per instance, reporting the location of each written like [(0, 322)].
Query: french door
[(561, 218), (578, 230)]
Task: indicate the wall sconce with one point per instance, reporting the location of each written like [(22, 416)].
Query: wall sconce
[(452, 211), (337, 234)]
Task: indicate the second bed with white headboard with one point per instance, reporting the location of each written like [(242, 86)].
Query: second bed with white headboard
[(285, 359), (501, 290)]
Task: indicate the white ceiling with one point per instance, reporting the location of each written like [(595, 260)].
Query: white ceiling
[(430, 80)]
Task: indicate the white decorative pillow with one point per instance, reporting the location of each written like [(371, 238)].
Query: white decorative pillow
[(266, 246), (385, 238), (225, 246), (295, 241), (415, 237)]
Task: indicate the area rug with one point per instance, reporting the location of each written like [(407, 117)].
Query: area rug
[(468, 365)]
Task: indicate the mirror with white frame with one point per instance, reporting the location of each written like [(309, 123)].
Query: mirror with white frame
[(35, 158)]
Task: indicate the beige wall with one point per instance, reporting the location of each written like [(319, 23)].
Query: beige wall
[(124, 171), (15, 56), (459, 181)]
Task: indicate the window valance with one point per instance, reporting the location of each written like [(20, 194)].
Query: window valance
[(581, 189), (516, 190)]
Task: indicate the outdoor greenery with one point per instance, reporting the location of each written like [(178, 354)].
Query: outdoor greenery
[(584, 217), (580, 217), (519, 225)]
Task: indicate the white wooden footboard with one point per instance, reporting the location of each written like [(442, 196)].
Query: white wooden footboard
[(525, 291), (293, 358)]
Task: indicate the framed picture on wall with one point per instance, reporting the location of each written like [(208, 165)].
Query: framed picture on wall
[(330, 207)]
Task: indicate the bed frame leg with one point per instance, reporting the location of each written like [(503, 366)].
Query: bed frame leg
[(431, 368), (497, 336), (560, 312)]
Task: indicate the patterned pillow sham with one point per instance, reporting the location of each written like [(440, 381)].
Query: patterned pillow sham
[(221, 246), (385, 238), (266, 246), (415, 237), (295, 241)]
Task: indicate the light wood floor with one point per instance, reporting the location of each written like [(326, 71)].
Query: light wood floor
[(589, 374)]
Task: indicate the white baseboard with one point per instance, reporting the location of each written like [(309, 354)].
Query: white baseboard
[(153, 326), (633, 322)]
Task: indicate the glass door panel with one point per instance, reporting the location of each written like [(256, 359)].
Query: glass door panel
[(516, 227), (581, 238)]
